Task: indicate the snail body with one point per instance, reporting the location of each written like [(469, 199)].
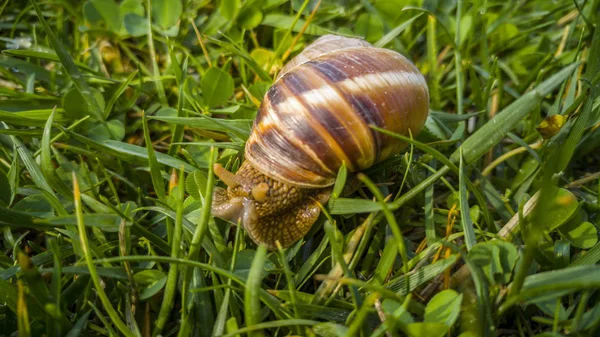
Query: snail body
[(316, 116)]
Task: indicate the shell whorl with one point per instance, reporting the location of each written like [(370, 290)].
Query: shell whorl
[(317, 113)]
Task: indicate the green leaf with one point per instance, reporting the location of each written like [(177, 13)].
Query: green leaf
[(109, 12), (217, 87), (244, 261), (583, 235), (150, 282), (444, 308), (166, 13), (136, 25), (369, 26), (90, 13), (195, 184), (561, 209), (329, 329), (426, 329), (496, 258), (75, 105), (250, 17), (230, 8), (112, 129), (132, 6)]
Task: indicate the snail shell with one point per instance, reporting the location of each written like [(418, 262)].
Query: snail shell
[(316, 116)]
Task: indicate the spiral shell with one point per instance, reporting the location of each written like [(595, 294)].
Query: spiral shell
[(317, 114)]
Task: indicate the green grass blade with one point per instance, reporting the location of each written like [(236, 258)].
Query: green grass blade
[(34, 170), (392, 34), (465, 214), (70, 66), (141, 152), (120, 90), (172, 277), (85, 246), (155, 172), (251, 295), (155, 71), (46, 162), (494, 130)]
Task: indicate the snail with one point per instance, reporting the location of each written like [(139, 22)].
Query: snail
[(316, 116)]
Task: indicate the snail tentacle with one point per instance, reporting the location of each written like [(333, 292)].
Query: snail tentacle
[(230, 179)]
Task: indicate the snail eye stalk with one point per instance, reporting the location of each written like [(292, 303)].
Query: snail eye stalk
[(230, 179)]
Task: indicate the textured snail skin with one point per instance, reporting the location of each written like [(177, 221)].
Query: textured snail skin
[(316, 116)]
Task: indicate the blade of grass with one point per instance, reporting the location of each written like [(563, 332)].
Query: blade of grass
[(155, 172), (251, 294), (42, 56), (582, 122), (46, 162), (70, 67), (177, 136), (290, 283), (203, 220), (392, 34), (288, 32), (392, 224), (244, 56), (22, 313), (494, 130), (465, 214), (171, 286), (79, 326), (112, 313), (273, 324), (120, 90), (160, 90), (358, 323)]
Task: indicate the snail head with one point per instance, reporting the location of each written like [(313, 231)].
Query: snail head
[(269, 210)]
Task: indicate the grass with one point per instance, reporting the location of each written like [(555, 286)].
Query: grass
[(113, 112)]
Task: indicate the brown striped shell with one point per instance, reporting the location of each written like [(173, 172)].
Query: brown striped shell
[(316, 116), (317, 113)]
